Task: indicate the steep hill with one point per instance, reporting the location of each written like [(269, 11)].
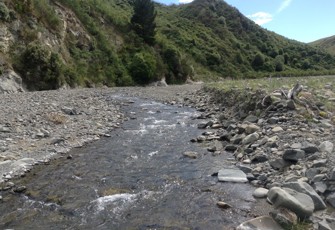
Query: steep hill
[(326, 43), (51, 43)]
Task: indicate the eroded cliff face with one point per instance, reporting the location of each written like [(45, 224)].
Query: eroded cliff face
[(20, 30)]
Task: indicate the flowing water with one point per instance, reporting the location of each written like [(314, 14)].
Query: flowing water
[(135, 179)]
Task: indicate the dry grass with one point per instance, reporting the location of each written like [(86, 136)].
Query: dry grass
[(271, 84), (56, 118)]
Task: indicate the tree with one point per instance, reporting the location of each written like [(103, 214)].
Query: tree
[(143, 20), (258, 61)]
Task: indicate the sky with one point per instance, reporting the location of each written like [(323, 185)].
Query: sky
[(301, 20)]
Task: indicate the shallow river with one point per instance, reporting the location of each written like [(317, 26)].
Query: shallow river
[(135, 179)]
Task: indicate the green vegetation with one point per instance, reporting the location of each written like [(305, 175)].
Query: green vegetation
[(143, 20), (328, 44), (126, 44), (40, 69), (4, 12)]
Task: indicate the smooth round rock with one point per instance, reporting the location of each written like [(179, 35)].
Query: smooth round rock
[(260, 193)]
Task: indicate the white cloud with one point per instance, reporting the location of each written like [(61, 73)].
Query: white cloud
[(185, 1), (284, 5), (261, 17)]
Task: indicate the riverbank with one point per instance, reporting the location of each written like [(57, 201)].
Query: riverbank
[(282, 143)]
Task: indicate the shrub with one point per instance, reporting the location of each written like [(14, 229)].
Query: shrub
[(40, 69), (143, 68)]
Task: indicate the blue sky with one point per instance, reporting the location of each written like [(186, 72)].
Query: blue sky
[(302, 20)]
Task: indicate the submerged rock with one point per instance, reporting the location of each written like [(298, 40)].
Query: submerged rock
[(232, 175), (260, 223)]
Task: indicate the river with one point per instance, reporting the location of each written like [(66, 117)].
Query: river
[(137, 178)]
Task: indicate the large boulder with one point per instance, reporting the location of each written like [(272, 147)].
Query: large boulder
[(305, 188), (300, 203), (10, 82)]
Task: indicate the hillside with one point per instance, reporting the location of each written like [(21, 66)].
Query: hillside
[(87, 43), (327, 44)]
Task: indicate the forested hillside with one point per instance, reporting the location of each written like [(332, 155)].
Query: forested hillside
[(51, 43), (326, 43)]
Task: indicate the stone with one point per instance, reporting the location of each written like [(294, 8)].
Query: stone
[(326, 146), (309, 148), (305, 188), (223, 205), (216, 126), (237, 140), (279, 164), (277, 129), (230, 148), (245, 169), (202, 125), (312, 172), (201, 138), (296, 146), (260, 223), (331, 199), (318, 177), (291, 105), (4, 129), (251, 119), (301, 204), (249, 129), (20, 189), (320, 187), (293, 155), (250, 139), (192, 155), (232, 175), (69, 111), (319, 163), (323, 225), (331, 175), (325, 124), (259, 158), (284, 217), (260, 193), (273, 120)]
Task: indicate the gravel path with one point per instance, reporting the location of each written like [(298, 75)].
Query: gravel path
[(34, 126)]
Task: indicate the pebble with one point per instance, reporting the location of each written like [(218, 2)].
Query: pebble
[(260, 193), (223, 205), (192, 155)]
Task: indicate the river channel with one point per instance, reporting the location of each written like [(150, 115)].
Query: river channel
[(136, 179)]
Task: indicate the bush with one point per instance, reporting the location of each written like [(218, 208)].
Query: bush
[(40, 69), (143, 68)]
